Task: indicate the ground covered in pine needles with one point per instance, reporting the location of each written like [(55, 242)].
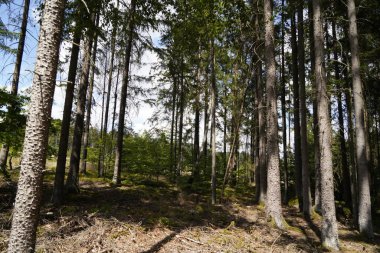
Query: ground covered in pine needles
[(154, 216)]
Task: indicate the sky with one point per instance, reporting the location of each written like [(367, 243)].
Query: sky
[(137, 117)]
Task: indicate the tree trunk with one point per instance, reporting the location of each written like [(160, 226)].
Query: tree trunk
[(306, 193), (16, 77), (297, 129), (273, 201), (196, 129), (180, 127), (174, 108), (364, 216), (89, 103), (59, 178), (115, 104), (343, 150), (123, 97), (283, 104), (72, 181), (329, 224), (28, 197), (213, 124)]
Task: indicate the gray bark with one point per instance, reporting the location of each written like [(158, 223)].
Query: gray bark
[(273, 201), (364, 205), (329, 224), (27, 203), (123, 97)]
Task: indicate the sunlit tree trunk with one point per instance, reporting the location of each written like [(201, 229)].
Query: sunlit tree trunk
[(214, 93), (27, 204), (329, 224), (273, 201)]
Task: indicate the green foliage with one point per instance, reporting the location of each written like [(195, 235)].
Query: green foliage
[(12, 119)]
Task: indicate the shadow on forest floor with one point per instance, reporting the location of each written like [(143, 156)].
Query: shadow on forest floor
[(146, 215)]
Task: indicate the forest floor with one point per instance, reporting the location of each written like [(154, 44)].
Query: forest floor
[(154, 216)]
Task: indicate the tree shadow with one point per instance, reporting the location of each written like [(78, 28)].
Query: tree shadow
[(156, 247)]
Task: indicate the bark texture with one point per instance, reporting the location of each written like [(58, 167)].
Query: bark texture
[(329, 224), (364, 205), (27, 203), (273, 201), (213, 124)]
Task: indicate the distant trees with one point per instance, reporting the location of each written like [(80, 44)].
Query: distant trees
[(222, 131)]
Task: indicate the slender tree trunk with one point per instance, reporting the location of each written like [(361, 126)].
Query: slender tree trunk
[(213, 124), (28, 197), (115, 104), (16, 77), (174, 108), (89, 103), (273, 201), (317, 192), (72, 181), (329, 224), (123, 97), (306, 193), (59, 178), (101, 149), (283, 104), (343, 150), (365, 216), (180, 134), (297, 128), (206, 120), (196, 129)]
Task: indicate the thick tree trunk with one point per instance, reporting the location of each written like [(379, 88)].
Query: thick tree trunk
[(89, 104), (213, 124), (306, 193), (59, 179), (123, 97), (364, 215), (28, 197), (329, 224), (273, 201), (72, 181), (115, 104), (297, 128), (16, 77)]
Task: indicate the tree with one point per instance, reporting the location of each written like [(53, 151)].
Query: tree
[(59, 178), (306, 193), (364, 205), (72, 181), (27, 203), (273, 201), (329, 224), (123, 96)]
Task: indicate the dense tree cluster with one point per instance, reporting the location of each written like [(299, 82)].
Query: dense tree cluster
[(283, 94)]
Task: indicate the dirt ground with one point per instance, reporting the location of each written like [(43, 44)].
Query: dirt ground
[(157, 217)]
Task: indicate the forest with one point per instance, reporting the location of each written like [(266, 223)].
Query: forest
[(262, 134)]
